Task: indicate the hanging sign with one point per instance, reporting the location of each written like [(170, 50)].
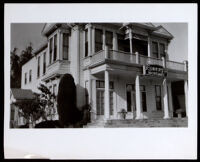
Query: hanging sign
[(155, 70)]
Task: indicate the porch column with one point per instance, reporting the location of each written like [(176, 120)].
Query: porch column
[(94, 105), (48, 53), (149, 46), (93, 39), (58, 45), (115, 45), (89, 40), (186, 96), (106, 97), (52, 57), (138, 100), (137, 57), (130, 39), (104, 39), (170, 99), (165, 99), (131, 45)]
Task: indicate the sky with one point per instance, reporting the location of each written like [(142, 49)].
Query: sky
[(24, 33)]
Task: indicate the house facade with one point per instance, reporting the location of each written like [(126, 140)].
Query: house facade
[(116, 66)]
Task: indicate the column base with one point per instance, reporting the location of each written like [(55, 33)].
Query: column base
[(138, 117), (166, 117)]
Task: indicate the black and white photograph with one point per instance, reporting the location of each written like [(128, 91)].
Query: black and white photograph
[(100, 84), (90, 75)]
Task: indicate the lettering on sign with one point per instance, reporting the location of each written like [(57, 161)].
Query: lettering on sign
[(155, 70)]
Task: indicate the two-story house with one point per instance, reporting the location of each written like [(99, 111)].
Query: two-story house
[(115, 66)]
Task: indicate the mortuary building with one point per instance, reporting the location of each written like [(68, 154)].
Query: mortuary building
[(117, 67)]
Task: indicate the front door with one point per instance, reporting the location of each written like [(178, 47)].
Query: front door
[(100, 102)]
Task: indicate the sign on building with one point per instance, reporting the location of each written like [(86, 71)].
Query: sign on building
[(155, 70)]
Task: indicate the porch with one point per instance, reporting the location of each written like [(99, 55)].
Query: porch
[(114, 87)]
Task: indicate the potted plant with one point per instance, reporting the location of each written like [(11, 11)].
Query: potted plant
[(123, 113)]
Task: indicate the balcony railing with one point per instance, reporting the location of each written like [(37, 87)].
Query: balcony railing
[(175, 65), (125, 57)]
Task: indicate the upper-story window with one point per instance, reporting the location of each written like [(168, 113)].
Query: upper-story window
[(44, 63), (123, 45), (109, 40), (98, 40), (50, 50), (155, 49), (86, 42), (25, 78), (38, 69), (162, 50), (30, 75), (65, 46), (55, 48)]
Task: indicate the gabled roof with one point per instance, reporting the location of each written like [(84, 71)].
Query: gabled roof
[(161, 31), (22, 94)]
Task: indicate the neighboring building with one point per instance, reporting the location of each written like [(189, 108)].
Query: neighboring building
[(115, 66), (16, 96)]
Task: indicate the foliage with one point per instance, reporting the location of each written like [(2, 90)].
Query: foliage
[(123, 113), (30, 110), (15, 69), (16, 64), (47, 101)]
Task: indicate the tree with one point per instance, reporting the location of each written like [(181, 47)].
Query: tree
[(26, 54), (47, 102), (30, 110), (16, 64), (15, 69)]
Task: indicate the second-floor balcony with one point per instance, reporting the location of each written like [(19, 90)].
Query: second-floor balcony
[(128, 58)]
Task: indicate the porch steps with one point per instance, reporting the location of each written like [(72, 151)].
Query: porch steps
[(175, 122)]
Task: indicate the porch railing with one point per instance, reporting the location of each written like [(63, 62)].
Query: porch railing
[(175, 65), (122, 56), (130, 58)]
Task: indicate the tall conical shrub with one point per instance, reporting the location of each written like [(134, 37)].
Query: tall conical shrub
[(66, 101)]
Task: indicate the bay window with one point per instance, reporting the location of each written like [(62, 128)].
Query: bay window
[(65, 46)]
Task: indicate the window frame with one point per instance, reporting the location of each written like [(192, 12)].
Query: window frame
[(157, 52), (157, 96), (65, 46), (30, 76), (98, 44), (38, 67)]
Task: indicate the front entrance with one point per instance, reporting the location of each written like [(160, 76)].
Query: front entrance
[(130, 98), (100, 102)]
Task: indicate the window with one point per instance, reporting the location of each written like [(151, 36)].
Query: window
[(65, 46), (86, 42), (123, 45), (109, 40), (101, 84), (55, 47), (50, 50), (38, 70), (155, 49), (25, 78), (162, 50), (30, 77), (130, 97), (143, 98), (44, 63), (98, 40), (54, 89), (158, 97)]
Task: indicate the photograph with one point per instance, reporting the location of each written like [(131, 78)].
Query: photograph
[(100, 81), (98, 75)]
